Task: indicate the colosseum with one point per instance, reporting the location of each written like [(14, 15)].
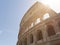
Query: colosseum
[(39, 26)]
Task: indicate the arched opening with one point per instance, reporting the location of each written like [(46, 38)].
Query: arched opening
[(50, 30), (31, 38), (46, 16), (37, 21), (39, 35)]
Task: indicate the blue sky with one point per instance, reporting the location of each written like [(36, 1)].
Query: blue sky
[(11, 12)]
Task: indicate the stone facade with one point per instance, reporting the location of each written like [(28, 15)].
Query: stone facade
[(39, 26)]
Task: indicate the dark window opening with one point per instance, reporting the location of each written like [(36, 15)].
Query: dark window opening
[(39, 35), (50, 30)]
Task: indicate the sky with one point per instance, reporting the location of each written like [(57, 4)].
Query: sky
[(11, 13)]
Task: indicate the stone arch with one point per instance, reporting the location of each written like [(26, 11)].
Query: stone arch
[(50, 30), (39, 35)]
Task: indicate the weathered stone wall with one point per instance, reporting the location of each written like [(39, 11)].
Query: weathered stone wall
[(43, 32)]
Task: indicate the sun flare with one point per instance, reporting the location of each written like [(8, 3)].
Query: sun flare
[(49, 2), (54, 4)]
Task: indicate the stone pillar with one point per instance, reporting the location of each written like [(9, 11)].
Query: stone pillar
[(44, 32)]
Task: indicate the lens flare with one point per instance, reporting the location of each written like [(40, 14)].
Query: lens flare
[(54, 4)]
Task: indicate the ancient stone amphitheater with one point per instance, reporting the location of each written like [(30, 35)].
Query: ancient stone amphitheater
[(39, 26)]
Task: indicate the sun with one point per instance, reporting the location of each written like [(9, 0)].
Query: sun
[(53, 4), (49, 2)]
